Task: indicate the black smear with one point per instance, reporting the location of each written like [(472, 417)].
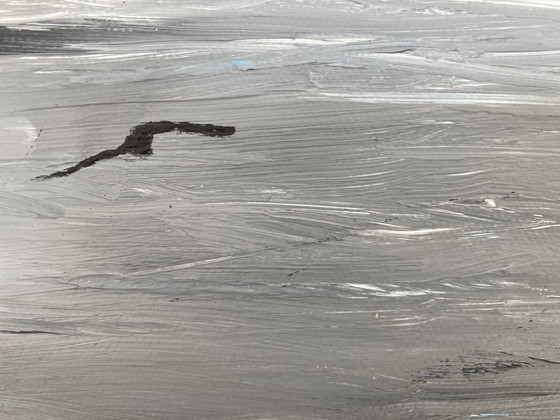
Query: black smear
[(139, 142)]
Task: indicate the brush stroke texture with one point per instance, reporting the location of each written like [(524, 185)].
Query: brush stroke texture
[(379, 240)]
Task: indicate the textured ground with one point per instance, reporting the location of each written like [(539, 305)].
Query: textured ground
[(378, 240)]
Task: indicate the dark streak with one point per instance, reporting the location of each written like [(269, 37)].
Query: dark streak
[(396, 51), (495, 368), (27, 332), (139, 142), (468, 368), (545, 360)]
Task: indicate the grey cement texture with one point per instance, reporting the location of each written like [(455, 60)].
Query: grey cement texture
[(379, 239)]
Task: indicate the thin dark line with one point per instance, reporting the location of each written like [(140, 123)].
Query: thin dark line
[(28, 332), (33, 143), (544, 360), (165, 101)]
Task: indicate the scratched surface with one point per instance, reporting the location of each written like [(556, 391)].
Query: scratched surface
[(379, 239)]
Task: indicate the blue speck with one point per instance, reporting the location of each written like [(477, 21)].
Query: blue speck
[(242, 64)]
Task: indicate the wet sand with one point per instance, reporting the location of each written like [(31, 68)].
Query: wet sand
[(378, 239)]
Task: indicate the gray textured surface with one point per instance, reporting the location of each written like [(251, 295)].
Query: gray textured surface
[(378, 240)]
